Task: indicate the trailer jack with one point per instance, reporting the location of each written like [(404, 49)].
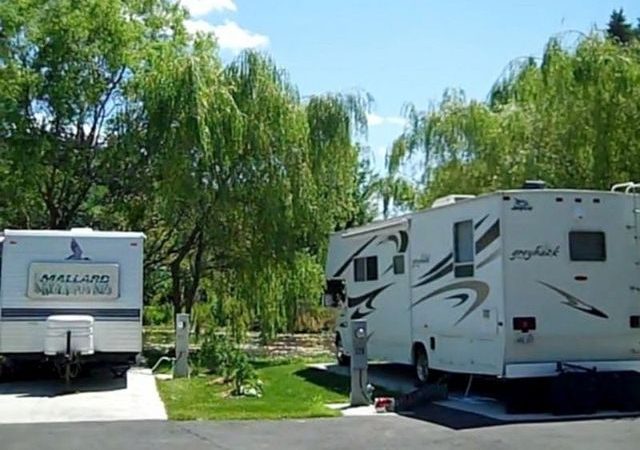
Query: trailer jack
[(68, 367)]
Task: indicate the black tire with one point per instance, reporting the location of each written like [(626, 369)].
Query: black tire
[(421, 365), (342, 359)]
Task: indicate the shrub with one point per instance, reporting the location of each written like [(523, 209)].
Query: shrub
[(218, 355), (156, 315)]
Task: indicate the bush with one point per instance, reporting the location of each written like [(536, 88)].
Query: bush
[(219, 356), (156, 315), (215, 353)]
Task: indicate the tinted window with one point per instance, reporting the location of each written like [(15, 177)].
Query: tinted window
[(587, 246), (358, 269), (398, 264), (463, 270), (372, 268), (463, 241), (463, 249), (365, 269)]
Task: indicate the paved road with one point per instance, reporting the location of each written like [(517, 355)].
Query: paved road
[(100, 397), (387, 432)]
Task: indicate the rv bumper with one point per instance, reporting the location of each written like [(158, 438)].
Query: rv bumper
[(97, 358), (550, 369)]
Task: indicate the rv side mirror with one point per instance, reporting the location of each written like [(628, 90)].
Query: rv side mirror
[(330, 301), (334, 293)]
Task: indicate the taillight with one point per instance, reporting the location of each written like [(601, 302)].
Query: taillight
[(634, 321), (524, 324)]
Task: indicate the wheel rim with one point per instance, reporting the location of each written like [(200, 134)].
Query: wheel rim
[(422, 370)]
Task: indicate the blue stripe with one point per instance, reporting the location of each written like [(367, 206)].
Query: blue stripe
[(41, 314)]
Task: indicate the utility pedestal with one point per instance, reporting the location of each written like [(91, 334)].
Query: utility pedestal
[(181, 367), (359, 378)]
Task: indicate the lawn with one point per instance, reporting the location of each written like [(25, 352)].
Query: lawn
[(291, 390)]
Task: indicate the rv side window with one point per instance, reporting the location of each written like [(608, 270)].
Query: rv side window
[(359, 269), (365, 269), (372, 268), (463, 248), (398, 264), (587, 246)]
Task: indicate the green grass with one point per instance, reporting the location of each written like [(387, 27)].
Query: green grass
[(291, 390)]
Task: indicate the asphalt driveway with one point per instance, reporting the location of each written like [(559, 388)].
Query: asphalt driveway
[(388, 432)]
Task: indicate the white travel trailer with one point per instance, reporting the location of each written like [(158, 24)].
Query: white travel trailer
[(71, 296), (508, 284)]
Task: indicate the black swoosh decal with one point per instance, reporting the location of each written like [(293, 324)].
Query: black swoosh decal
[(444, 271), (477, 225), (576, 303), (481, 289), (387, 269), (437, 267), (367, 299), (404, 241), (401, 244), (492, 233), (462, 297), (358, 315), (348, 261), (355, 301)]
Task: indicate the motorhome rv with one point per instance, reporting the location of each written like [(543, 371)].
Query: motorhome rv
[(509, 284)]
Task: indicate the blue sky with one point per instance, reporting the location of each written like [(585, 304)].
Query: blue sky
[(398, 51)]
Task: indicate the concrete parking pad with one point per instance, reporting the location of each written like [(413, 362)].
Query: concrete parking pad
[(100, 397), (470, 411), (392, 377)]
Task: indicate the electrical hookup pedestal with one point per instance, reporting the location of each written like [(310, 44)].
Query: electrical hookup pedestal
[(360, 389), (181, 367)]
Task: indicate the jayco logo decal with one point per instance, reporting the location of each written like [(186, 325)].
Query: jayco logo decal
[(521, 205), (540, 251)]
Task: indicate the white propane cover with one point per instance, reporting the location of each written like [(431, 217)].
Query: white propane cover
[(81, 328)]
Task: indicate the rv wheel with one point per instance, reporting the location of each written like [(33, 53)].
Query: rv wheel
[(343, 360), (421, 365)]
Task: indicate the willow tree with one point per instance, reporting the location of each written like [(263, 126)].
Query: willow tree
[(186, 127), (295, 180), (244, 181), (569, 119)]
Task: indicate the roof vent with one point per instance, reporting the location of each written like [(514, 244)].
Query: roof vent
[(534, 184), (450, 200)]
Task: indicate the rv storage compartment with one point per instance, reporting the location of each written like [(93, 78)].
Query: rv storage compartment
[(81, 328)]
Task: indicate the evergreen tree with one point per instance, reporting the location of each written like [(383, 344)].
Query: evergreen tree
[(619, 29)]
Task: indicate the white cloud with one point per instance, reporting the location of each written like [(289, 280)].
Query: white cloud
[(375, 120), (197, 26), (198, 8), (230, 35), (233, 37)]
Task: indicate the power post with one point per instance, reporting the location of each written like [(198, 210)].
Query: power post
[(181, 367), (360, 390)]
